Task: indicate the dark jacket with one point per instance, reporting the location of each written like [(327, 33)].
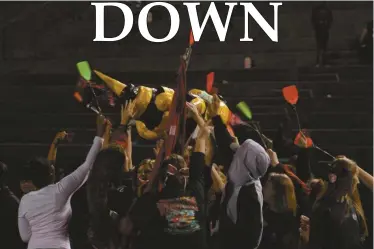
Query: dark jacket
[(247, 232), (9, 234), (156, 215), (334, 225)]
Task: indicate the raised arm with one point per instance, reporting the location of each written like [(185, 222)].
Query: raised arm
[(53, 148), (365, 178), (225, 142), (70, 183), (197, 161), (128, 151), (218, 180), (106, 137), (127, 113)]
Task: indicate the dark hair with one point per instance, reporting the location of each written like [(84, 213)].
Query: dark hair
[(40, 171), (106, 169), (175, 160), (3, 174)]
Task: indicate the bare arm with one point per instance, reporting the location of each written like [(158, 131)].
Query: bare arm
[(217, 179), (129, 151), (53, 148), (107, 136), (365, 178)]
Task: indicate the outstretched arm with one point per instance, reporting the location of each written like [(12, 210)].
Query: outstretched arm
[(70, 183)]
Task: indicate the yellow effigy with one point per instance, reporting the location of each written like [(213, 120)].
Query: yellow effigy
[(152, 105)]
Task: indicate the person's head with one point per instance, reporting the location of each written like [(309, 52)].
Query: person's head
[(175, 175), (37, 173), (279, 193), (143, 172), (343, 176), (343, 181), (3, 174), (250, 163), (108, 166)]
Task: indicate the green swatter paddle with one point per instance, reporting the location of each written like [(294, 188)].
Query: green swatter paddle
[(244, 108), (84, 70)]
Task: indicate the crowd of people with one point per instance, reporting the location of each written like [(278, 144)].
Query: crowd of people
[(218, 193)]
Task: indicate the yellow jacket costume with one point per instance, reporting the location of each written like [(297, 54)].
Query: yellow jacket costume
[(152, 106)]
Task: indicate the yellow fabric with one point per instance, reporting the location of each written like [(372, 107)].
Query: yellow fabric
[(157, 132), (114, 85), (142, 100), (223, 111), (163, 101)]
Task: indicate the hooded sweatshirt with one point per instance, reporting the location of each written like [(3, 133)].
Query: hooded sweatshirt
[(241, 210)]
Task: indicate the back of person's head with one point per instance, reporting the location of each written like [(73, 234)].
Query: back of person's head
[(250, 162), (3, 174), (40, 171), (109, 164), (280, 191)]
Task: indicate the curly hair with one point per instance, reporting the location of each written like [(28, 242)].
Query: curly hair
[(40, 171)]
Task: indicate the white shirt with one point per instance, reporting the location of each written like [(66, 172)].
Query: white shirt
[(43, 215)]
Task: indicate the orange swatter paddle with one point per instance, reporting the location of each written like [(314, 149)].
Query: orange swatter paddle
[(78, 97), (209, 82), (192, 41), (290, 94), (300, 135)]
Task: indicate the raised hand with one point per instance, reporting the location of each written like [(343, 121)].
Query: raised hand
[(127, 112), (192, 110), (60, 136), (304, 229), (101, 124), (157, 149), (273, 157)]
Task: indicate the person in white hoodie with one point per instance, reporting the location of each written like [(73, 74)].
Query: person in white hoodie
[(241, 221), (44, 214)]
